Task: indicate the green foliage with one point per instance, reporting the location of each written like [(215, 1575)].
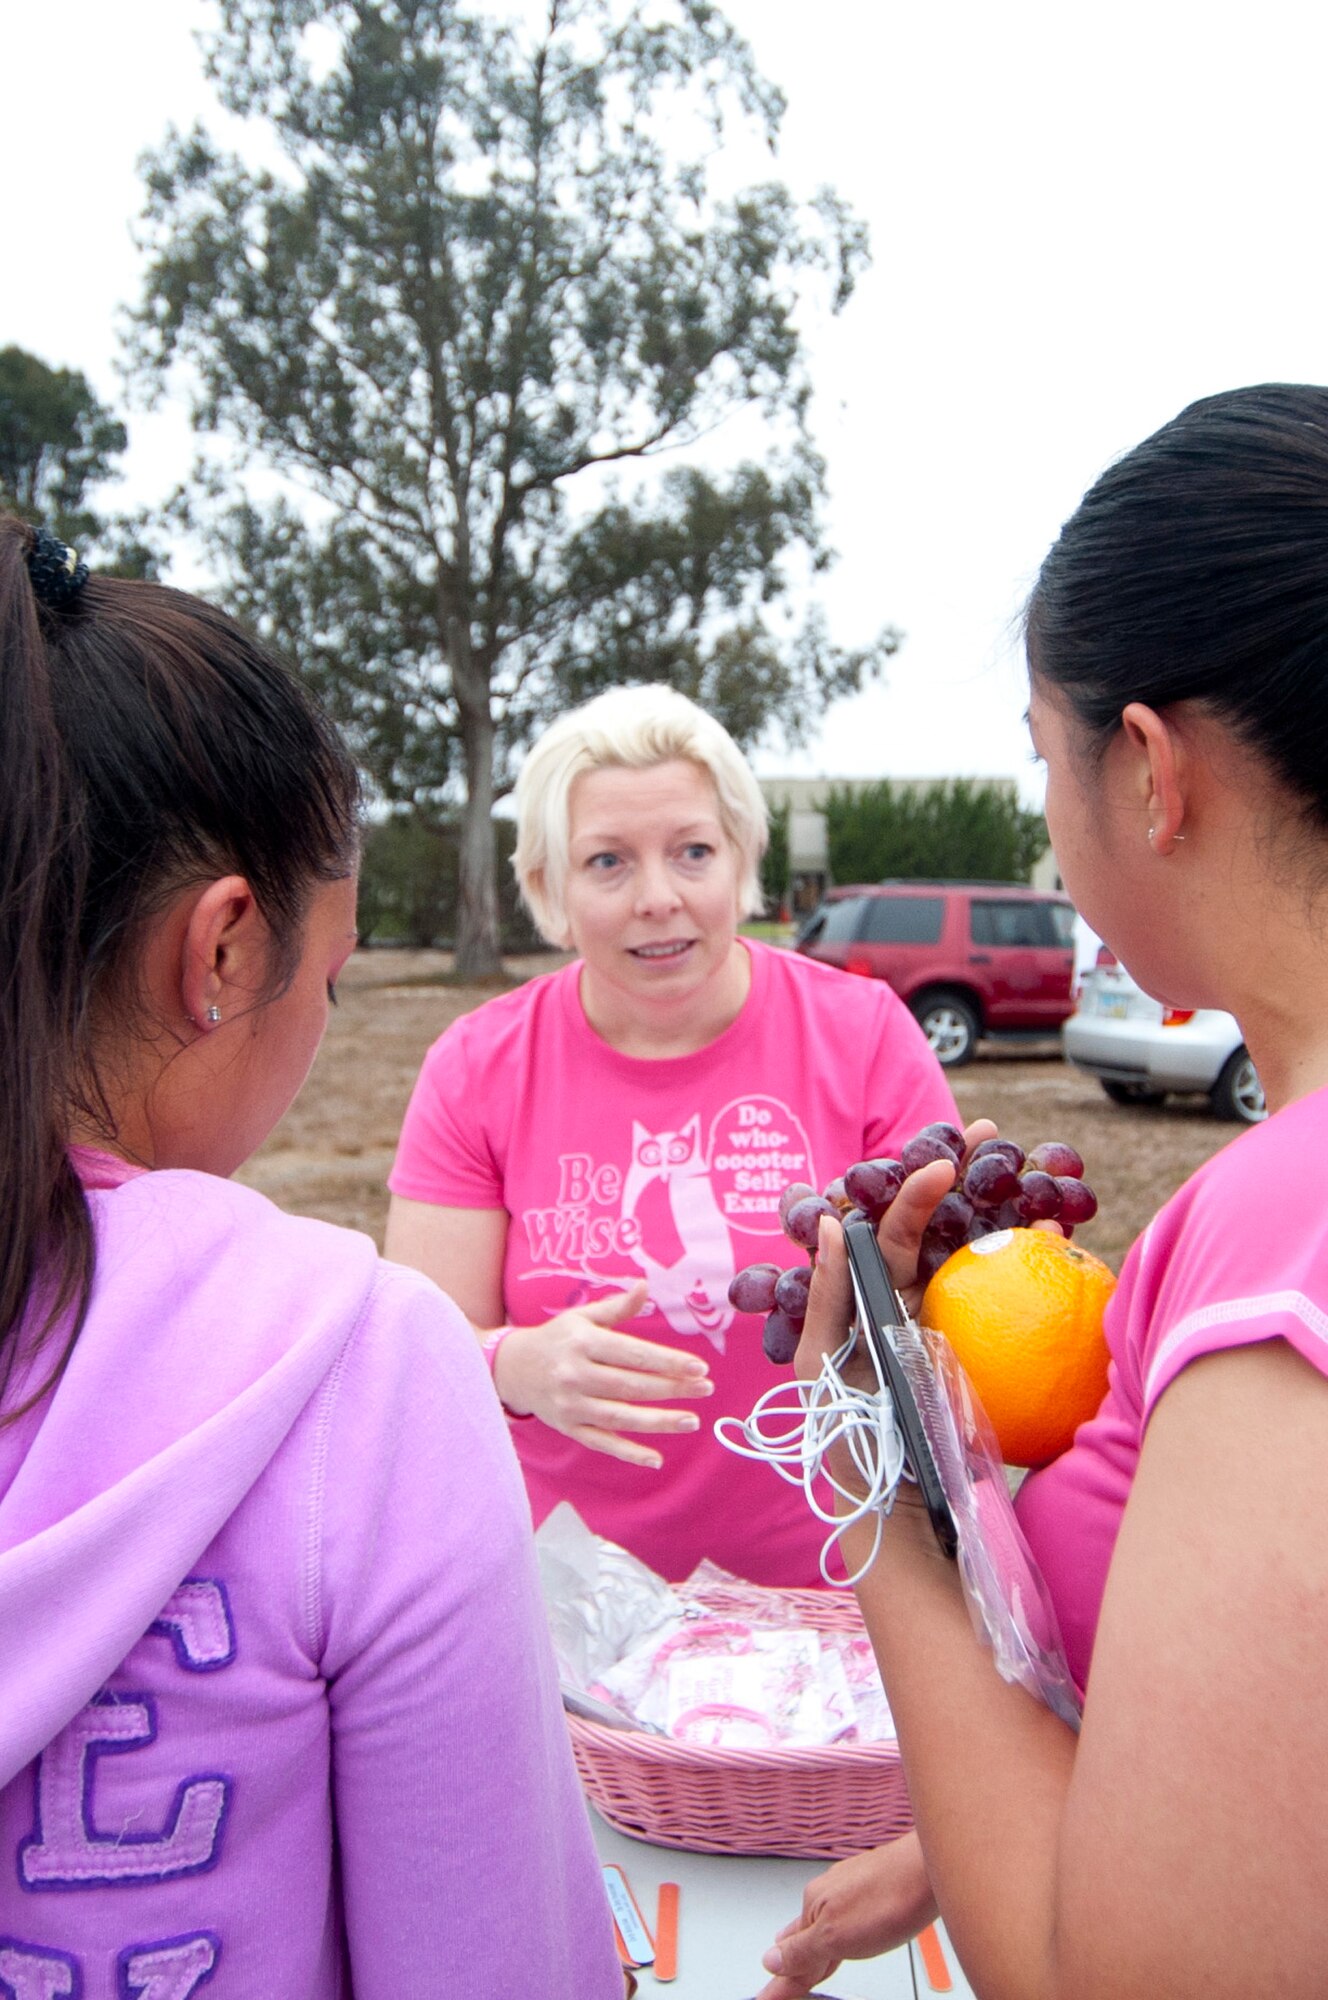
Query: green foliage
[(961, 828), (409, 878), (408, 882), (491, 279), (363, 638), (58, 441), (775, 861)]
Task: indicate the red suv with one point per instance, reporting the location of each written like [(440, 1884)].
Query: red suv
[(970, 958)]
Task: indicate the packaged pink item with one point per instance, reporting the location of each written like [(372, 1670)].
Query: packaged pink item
[(761, 1677)]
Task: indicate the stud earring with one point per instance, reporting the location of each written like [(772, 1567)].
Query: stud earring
[(1152, 833), (213, 1015)]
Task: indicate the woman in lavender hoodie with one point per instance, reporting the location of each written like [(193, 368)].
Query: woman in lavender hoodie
[(277, 1711)]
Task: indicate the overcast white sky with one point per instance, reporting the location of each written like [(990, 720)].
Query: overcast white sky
[(1082, 218)]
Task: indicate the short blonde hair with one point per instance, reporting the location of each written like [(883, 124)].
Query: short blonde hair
[(637, 728)]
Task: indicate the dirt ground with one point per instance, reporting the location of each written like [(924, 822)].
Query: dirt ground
[(331, 1153)]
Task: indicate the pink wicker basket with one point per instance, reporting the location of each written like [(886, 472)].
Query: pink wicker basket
[(822, 1803)]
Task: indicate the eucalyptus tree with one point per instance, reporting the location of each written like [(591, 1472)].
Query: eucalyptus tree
[(489, 273), (58, 444)]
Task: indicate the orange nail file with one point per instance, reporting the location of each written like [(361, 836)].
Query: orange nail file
[(933, 1961), (666, 1932)]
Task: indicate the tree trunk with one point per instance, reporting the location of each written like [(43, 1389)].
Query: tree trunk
[(478, 938)]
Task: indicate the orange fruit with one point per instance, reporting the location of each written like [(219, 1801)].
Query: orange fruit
[(1023, 1312)]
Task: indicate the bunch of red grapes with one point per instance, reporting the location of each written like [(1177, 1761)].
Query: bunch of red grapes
[(1002, 1187)]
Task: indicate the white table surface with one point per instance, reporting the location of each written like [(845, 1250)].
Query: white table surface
[(730, 1907)]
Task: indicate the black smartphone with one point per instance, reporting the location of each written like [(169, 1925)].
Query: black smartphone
[(884, 1323)]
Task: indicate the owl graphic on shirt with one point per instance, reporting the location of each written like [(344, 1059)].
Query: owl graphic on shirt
[(691, 1288)]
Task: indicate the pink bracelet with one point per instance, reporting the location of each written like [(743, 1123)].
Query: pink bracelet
[(489, 1349), (689, 1726)]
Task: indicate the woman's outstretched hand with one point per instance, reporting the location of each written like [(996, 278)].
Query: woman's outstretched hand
[(861, 1907), (580, 1375)]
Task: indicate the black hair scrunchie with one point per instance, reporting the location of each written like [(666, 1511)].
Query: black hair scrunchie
[(58, 572)]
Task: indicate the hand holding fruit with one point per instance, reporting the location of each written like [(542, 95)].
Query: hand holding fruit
[(973, 1231), (581, 1376), (911, 1189), (902, 1228)]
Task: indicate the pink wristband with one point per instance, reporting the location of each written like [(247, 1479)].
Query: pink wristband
[(489, 1349)]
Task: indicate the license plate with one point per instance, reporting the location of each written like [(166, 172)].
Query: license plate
[(1114, 1005)]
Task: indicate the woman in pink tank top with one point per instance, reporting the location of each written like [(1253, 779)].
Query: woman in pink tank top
[(1178, 1844)]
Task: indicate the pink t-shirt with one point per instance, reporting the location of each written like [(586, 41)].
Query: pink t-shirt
[(612, 1168), (1239, 1255)]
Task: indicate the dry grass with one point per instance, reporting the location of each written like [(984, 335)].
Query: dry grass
[(331, 1153)]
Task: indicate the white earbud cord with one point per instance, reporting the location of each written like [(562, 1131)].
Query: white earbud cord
[(815, 1417)]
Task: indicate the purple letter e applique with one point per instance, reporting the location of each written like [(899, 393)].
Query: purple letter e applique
[(67, 1851)]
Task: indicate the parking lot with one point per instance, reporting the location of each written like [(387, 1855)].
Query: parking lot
[(1135, 1156)]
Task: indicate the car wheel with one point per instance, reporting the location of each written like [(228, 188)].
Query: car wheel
[(1238, 1092), (1130, 1093), (950, 1025)]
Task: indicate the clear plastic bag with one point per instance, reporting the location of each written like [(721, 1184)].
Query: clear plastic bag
[(601, 1601), (714, 1659), (1006, 1593)]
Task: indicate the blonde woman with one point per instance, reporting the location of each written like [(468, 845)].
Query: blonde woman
[(588, 1160)]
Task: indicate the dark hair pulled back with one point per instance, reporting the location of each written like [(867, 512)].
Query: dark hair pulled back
[(146, 742), (1196, 569)]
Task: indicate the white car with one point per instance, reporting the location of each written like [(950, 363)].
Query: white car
[(1139, 1050)]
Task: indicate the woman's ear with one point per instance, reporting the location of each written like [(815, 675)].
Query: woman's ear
[(223, 953), (1161, 771)]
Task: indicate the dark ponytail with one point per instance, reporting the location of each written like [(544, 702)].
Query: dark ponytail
[(146, 742), (1196, 569)]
